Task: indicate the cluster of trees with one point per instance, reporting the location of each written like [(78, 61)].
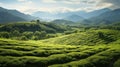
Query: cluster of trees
[(23, 36), (32, 26), (30, 30), (37, 35), (107, 37), (114, 26)]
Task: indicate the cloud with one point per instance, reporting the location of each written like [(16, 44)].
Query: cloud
[(26, 1), (49, 1), (69, 1), (21, 0), (29, 6), (1, 3), (114, 3)]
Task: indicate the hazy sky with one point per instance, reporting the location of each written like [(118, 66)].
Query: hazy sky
[(29, 6)]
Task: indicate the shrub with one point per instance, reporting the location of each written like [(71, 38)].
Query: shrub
[(117, 63), (10, 52), (23, 38)]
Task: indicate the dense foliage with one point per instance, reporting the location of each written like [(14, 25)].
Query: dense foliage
[(29, 30)]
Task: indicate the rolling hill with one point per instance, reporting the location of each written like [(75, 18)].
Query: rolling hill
[(62, 22), (92, 37), (31, 26)]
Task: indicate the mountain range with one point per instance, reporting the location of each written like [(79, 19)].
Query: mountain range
[(64, 15), (96, 17)]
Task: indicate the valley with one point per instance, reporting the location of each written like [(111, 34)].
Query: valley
[(69, 38)]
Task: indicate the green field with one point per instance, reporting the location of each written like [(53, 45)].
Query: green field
[(14, 53)]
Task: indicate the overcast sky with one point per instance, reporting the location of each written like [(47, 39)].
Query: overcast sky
[(29, 6)]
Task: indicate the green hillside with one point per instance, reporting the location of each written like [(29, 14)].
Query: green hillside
[(91, 37), (31, 26), (30, 30)]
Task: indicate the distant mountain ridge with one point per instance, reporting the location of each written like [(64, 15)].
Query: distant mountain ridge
[(54, 16), (74, 18), (105, 18), (22, 15), (60, 15), (7, 15), (96, 17)]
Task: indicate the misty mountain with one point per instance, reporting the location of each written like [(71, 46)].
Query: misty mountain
[(105, 18), (45, 15), (53, 16), (21, 15), (74, 18), (62, 15), (102, 16), (7, 15), (70, 13), (95, 13)]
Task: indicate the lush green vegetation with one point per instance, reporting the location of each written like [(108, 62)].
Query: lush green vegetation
[(72, 46), (30, 30), (90, 37)]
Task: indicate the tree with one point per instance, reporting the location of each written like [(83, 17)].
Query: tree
[(5, 34), (15, 33), (37, 35), (40, 35), (28, 34), (43, 34), (100, 34), (38, 21), (23, 38)]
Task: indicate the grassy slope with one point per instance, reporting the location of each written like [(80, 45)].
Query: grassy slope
[(90, 37), (15, 53), (74, 51)]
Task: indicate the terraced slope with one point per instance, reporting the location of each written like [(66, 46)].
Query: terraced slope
[(15, 53), (91, 37)]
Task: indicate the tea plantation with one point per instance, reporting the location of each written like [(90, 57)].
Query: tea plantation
[(14, 53)]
